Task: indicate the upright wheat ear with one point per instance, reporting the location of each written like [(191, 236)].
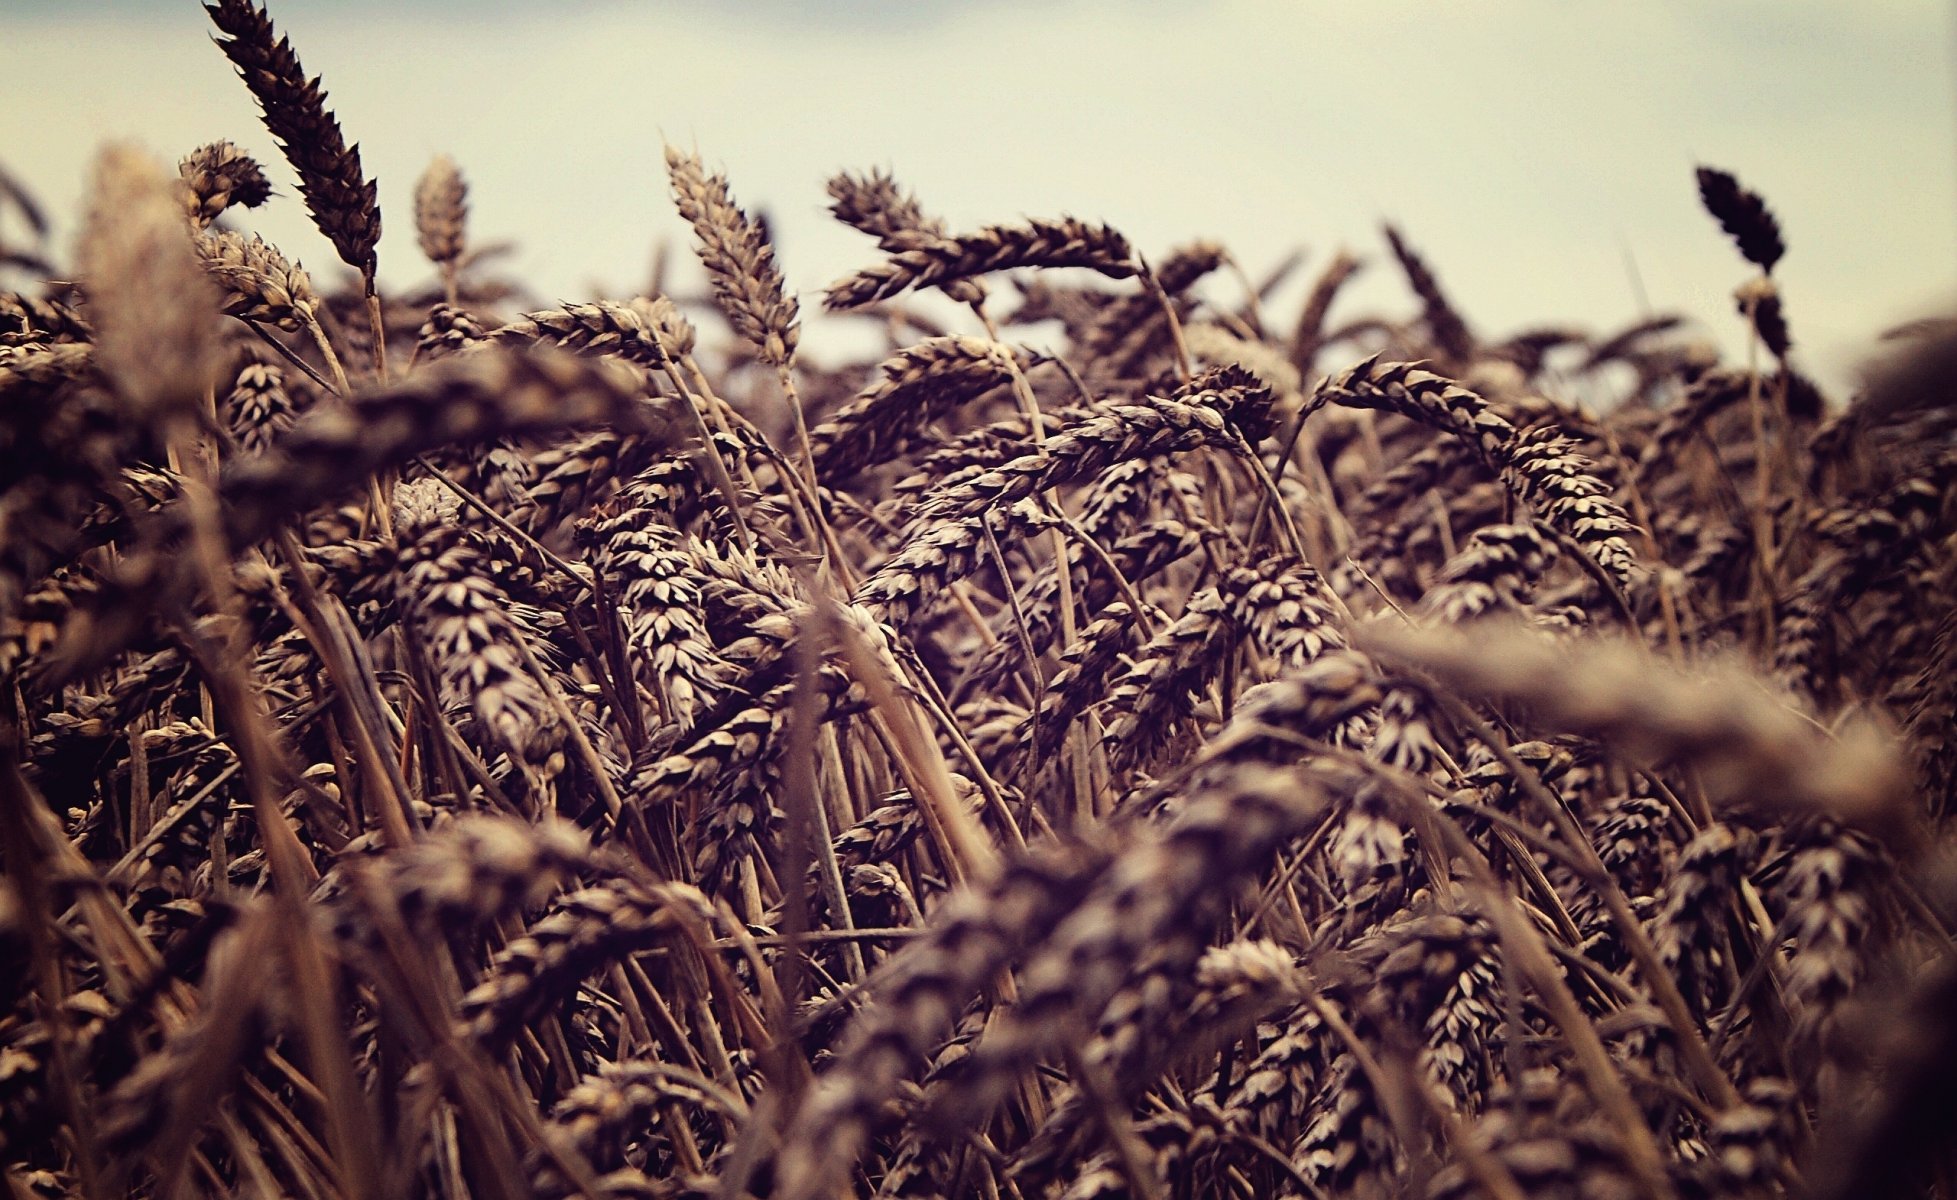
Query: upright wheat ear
[(155, 314), (339, 196), (739, 261), (1744, 215)]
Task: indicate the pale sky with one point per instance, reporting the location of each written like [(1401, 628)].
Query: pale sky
[(1530, 148)]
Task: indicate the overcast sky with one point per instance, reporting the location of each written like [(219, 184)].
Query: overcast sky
[(1533, 149)]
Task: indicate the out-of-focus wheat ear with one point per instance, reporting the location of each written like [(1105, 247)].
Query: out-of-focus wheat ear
[(338, 194), (1742, 734), (739, 261), (1065, 242), (35, 371), (169, 1094), (456, 878), (915, 997), (1758, 301), (1309, 335), (1744, 215), (26, 320), (330, 451), (1444, 322), (441, 218), (1709, 395), (259, 284), (156, 316), (1832, 889), (217, 176)]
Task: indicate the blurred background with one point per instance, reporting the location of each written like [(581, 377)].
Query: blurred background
[(1539, 153)]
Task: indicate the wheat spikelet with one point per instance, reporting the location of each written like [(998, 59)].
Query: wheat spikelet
[(449, 330), (916, 995), (1149, 893), (1145, 702), (26, 320), (460, 616), (1494, 572), (583, 931), (675, 333), (663, 608), (1686, 929), (1126, 330), (1216, 409)]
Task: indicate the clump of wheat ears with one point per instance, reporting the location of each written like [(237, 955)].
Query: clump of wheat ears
[(1124, 740)]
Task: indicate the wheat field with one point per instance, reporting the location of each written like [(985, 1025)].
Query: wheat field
[(1122, 740)]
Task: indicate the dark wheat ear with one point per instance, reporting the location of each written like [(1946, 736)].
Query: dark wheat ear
[(1744, 215), (339, 196), (1036, 243)]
